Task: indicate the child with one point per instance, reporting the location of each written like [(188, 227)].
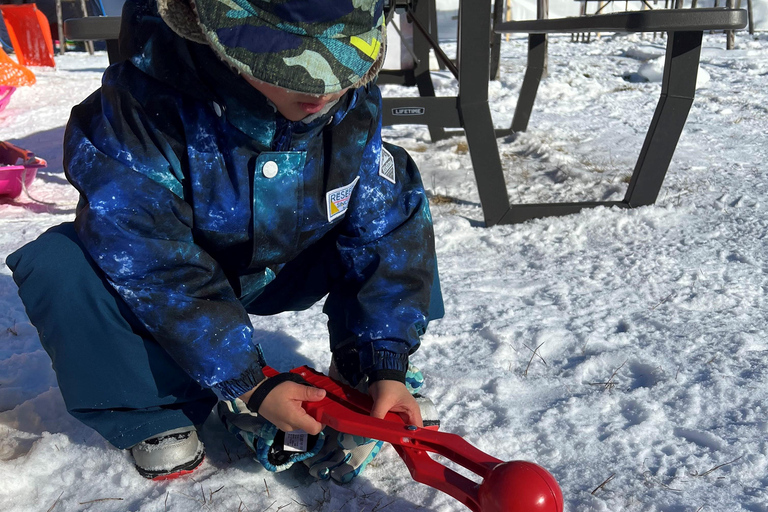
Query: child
[(233, 165)]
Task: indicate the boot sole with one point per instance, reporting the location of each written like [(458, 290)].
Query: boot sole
[(183, 469)]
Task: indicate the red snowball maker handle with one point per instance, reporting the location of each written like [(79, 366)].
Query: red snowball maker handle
[(348, 410)]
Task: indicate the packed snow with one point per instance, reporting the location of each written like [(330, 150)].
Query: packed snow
[(626, 351)]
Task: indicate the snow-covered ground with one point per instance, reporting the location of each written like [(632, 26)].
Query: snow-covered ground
[(647, 389)]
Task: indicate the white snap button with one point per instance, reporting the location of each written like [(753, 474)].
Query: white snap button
[(217, 109), (269, 169)]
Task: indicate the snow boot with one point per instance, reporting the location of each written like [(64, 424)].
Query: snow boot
[(169, 455)]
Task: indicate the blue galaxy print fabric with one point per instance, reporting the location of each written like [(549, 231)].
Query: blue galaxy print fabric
[(194, 193)]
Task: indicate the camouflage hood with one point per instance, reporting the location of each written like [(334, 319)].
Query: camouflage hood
[(309, 46)]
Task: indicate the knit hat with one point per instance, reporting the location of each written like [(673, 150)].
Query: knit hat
[(309, 46)]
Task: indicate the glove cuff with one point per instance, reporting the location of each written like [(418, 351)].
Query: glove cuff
[(356, 363), (268, 385), (383, 364), (378, 375)]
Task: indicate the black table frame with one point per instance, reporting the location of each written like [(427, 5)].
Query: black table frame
[(470, 110)]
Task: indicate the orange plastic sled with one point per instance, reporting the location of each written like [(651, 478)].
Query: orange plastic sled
[(12, 74), (30, 34)]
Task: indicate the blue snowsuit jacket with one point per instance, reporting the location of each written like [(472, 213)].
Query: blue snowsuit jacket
[(178, 212)]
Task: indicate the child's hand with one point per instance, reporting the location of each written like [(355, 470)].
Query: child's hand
[(282, 407), (393, 396)]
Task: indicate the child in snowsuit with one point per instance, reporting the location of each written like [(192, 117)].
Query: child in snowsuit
[(233, 165)]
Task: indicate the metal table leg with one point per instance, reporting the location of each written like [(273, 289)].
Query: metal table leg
[(474, 70), (677, 90)]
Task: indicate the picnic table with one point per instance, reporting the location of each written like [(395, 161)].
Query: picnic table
[(685, 29), (96, 28), (469, 109), (602, 4)]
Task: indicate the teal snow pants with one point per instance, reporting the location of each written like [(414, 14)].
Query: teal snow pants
[(113, 376)]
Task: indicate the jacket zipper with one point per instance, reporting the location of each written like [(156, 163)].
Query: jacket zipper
[(283, 132)]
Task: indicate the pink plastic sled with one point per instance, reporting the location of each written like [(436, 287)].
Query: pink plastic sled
[(5, 95), (18, 168)]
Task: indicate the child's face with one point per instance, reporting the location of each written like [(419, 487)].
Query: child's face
[(294, 106)]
